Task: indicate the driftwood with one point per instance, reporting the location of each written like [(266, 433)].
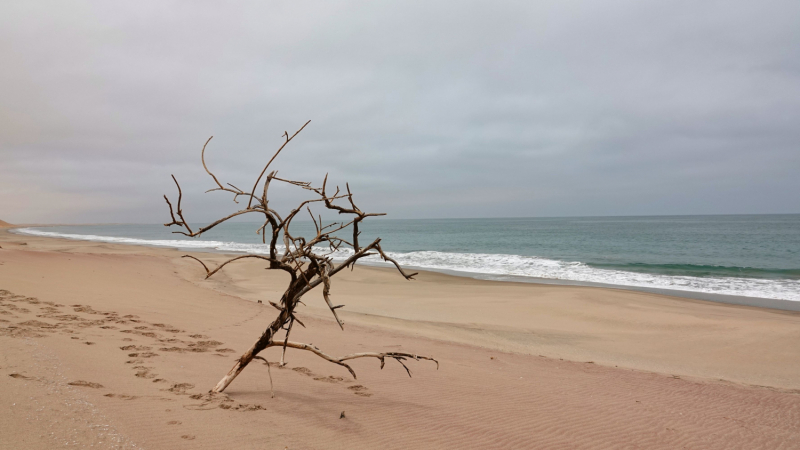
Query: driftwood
[(307, 260)]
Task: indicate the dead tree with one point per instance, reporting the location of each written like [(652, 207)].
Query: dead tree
[(307, 260)]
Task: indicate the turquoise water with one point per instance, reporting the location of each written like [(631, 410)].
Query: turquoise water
[(748, 255)]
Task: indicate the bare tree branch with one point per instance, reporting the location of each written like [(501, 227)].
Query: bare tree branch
[(182, 222), (203, 160), (288, 139), (266, 363), (317, 352), (391, 260), (326, 280), (397, 356), (208, 272), (299, 257)]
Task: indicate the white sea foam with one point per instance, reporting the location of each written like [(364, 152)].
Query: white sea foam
[(503, 265), (576, 271)]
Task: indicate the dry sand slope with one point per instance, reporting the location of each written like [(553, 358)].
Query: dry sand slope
[(116, 347)]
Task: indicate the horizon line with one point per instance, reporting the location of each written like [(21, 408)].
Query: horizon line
[(436, 218)]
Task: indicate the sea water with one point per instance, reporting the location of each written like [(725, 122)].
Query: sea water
[(746, 255)]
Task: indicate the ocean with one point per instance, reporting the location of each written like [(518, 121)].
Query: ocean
[(744, 255)]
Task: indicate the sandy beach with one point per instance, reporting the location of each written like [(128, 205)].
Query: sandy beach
[(113, 346)]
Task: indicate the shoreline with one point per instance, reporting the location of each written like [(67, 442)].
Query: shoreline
[(757, 302), (526, 327)]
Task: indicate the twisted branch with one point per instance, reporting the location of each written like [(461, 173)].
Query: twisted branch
[(397, 356), (306, 268)]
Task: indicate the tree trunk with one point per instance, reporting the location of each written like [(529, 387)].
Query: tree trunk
[(260, 345), (248, 356), (234, 372)]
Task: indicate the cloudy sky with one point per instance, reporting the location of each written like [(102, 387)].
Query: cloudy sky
[(428, 109)]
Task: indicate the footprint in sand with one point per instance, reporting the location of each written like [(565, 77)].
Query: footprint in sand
[(88, 384), (142, 355), (135, 347), (359, 390), (303, 370), (144, 372), (173, 349), (149, 334), (211, 401), (168, 328), (180, 388), (139, 354), (84, 309), (329, 379), (38, 324), (20, 376), (206, 344), (195, 347), (121, 396)]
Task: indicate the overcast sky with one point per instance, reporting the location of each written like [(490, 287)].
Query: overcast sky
[(428, 109)]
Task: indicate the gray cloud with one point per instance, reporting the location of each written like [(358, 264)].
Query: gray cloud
[(429, 109)]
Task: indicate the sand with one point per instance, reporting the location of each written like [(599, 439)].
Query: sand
[(114, 346)]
